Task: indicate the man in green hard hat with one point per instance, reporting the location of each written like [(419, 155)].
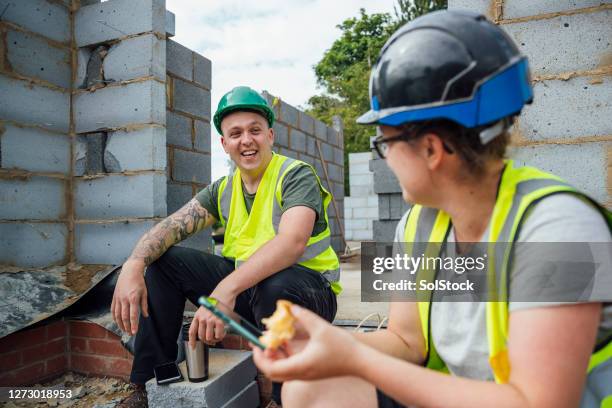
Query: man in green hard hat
[(276, 245)]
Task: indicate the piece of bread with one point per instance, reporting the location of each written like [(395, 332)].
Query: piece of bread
[(279, 326)]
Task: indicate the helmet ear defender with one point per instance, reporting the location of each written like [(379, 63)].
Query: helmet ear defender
[(450, 65)]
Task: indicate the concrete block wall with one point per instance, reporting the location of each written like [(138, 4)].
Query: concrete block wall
[(85, 167), (188, 131), (361, 207), (119, 121), (567, 129), (35, 175), (303, 137)]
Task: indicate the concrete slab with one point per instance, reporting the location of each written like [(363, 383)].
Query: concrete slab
[(247, 398), (350, 306), (230, 372)]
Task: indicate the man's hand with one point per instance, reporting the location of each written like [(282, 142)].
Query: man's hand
[(130, 294), (208, 327)]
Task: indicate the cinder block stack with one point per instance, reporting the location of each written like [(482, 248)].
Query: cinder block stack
[(361, 207), (188, 130), (297, 134), (567, 129)]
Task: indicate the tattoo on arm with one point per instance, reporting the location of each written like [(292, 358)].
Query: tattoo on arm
[(188, 220)]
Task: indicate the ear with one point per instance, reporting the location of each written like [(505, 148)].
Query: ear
[(433, 148), (271, 135), (224, 144)]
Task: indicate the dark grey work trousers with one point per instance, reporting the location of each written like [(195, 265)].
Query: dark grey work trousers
[(183, 273)]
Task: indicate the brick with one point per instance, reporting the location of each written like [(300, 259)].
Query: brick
[(320, 130), (289, 114), (178, 130), (384, 206), (202, 70), (107, 347), (9, 361), (49, 239), (359, 169), (281, 135), (22, 339), (39, 16), (142, 149), (54, 347), (38, 198), (333, 137), (170, 24), (360, 190), (355, 201), (566, 109), (78, 345), (18, 98), (114, 196), (27, 375), (363, 180), (311, 147), (384, 231), (202, 136), (34, 354), (478, 6), (328, 152), (191, 99), (98, 365), (338, 156), (33, 57), (52, 153), (359, 158), (384, 179), (575, 42), (373, 201), (87, 329), (369, 213), (110, 20), (582, 165), (307, 123), (297, 141), (118, 106), (191, 167), (335, 172), (523, 8), (136, 57), (356, 223), (178, 196), (56, 365), (109, 243), (234, 371), (180, 60)]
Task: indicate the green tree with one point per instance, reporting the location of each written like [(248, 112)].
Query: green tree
[(344, 71)]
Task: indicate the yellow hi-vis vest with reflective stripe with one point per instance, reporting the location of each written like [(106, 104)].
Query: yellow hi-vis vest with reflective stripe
[(246, 232), (519, 189)]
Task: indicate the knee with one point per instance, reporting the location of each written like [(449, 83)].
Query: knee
[(306, 394)]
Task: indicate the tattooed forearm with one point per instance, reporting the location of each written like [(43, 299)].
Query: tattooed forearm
[(173, 229)]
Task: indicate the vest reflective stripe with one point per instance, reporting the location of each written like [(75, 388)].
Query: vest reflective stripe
[(520, 188), (245, 232)]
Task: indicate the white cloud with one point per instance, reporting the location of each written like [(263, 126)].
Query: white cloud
[(268, 45)]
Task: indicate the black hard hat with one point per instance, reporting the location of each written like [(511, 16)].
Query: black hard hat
[(448, 65)]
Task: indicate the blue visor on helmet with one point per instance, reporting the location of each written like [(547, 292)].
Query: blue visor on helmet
[(501, 95)]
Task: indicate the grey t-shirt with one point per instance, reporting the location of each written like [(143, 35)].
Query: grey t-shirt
[(459, 328), (300, 188)]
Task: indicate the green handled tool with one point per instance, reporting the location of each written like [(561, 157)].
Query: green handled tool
[(210, 304)]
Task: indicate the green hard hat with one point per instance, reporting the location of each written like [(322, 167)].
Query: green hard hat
[(242, 98)]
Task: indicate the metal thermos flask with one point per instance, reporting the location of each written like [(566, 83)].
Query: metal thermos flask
[(196, 358)]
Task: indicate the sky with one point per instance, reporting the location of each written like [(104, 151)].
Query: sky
[(268, 45)]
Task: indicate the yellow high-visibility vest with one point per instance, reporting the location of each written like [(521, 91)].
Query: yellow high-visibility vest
[(519, 189), (246, 232)]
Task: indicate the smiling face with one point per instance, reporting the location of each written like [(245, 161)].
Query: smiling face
[(248, 140)]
